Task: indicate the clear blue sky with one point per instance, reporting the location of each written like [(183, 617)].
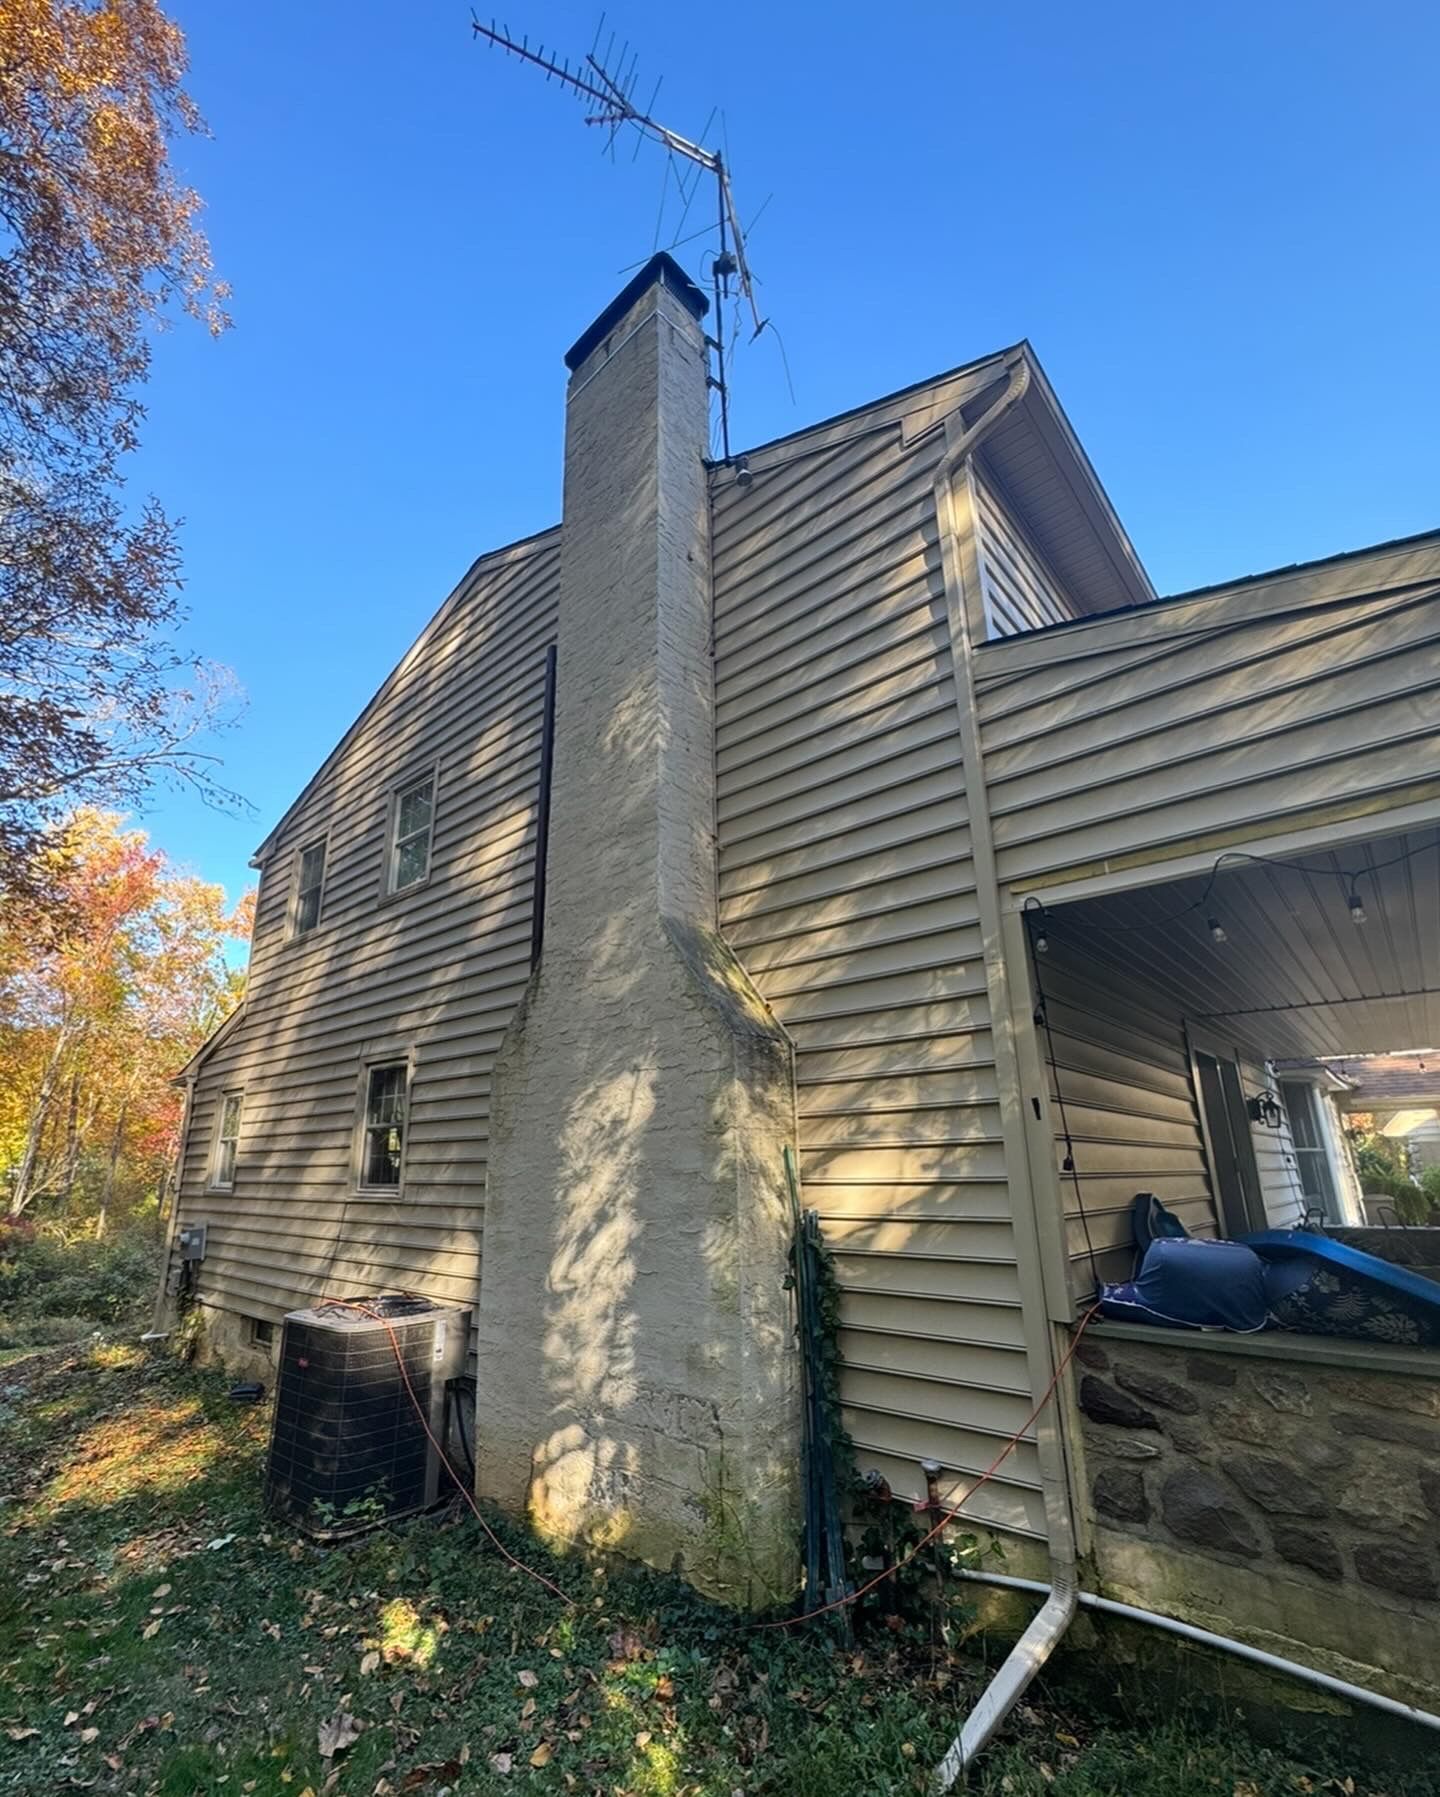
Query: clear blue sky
[(1218, 226)]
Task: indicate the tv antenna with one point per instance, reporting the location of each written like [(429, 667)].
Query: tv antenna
[(612, 95)]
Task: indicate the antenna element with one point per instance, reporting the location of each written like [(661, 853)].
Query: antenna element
[(611, 94)]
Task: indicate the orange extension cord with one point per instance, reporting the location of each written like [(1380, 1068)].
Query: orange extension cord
[(786, 1622), (950, 1515)]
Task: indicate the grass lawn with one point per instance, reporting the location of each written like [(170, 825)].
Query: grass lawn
[(159, 1635)]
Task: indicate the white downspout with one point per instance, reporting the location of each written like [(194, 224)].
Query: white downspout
[(1026, 1658), (1046, 1629), (1062, 1594)]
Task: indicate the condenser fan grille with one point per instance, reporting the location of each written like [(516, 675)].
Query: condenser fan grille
[(349, 1445)]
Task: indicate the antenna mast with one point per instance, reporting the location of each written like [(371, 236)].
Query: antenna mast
[(612, 96)]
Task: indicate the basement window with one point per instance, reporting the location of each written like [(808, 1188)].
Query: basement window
[(262, 1332), (382, 1129), (227, 1143), (412, 817), (309, 889)]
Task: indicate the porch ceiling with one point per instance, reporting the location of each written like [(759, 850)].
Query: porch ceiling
[(1295, 976)]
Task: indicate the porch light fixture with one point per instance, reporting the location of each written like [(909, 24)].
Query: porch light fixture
[(1216, 929), (1037, 918), (1357, 907)]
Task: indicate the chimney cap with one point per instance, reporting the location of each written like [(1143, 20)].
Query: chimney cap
[(661, 270)]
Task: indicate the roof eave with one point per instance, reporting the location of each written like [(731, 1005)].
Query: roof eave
[(1055, 429)]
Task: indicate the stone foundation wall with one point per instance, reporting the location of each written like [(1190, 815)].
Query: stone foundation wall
[(223, 1339), (1295, 1503)]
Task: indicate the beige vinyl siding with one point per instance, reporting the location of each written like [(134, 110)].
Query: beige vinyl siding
[(1121, 1065), (847, 890), (1263, 707), (433, 973), (1019, 589)]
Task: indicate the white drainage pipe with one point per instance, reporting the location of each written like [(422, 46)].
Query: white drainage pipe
[(1257, 1656)]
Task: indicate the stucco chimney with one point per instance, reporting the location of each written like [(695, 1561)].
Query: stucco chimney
[(637, 1376)]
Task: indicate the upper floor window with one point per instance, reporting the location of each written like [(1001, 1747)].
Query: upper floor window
[(382, 1127), (227, 1142), (309, 888), (412, 818)]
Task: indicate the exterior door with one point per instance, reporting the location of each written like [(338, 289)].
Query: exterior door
[(1227, 1137)]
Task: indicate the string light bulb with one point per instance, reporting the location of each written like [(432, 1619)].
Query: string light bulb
[(1216, 929), (1357, 907)]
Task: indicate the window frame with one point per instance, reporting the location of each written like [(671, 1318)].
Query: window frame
[(390, 866), (293, 932), (369, 1065), (1321, 1154), (213, 1180)]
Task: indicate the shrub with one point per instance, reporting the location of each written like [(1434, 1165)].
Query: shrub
[(43, 1278), (44, 1332)]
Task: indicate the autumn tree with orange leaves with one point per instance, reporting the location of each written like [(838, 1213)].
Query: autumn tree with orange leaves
[(100, 1006), (99, 240)]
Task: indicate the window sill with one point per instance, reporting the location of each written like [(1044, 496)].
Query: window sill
[(303, 938), (378, 1195), (1281, 1345), (403, 892)]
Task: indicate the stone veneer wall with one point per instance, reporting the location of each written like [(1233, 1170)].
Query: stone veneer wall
[(1292, 1503)]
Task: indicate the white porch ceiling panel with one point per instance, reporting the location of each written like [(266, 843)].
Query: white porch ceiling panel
[(1295, 976)]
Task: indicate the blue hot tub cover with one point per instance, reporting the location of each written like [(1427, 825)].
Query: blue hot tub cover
[(1187, 1283), (1318, 1286)]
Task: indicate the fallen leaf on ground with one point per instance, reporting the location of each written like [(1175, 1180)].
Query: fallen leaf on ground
[(150, 1628), (541, 1755), (440, 1772), (369, 1663), (337, 1734), (162, 1591), (500, 1762), (528, 1679)]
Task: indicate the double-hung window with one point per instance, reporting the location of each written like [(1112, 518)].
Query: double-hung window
[(382, 1125), (227, 1142), (412, 821), (1307, 1132), (309, 888)]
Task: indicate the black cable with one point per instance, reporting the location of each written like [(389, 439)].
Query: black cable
[(1042, 1017), (1347, 880), (457, 1390)]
